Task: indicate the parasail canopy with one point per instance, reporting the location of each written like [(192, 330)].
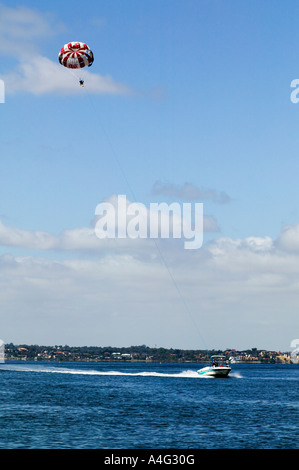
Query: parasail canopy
[(76, 55)]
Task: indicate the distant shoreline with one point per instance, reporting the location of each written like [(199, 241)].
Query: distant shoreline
[(138, 354)]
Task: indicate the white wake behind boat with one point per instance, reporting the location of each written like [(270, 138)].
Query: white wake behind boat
[(218, 368)]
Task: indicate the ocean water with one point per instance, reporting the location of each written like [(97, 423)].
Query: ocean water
[(147, 406)]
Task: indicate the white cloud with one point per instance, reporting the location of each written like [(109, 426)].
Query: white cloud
[(190, 192), (39, 75), (289, 238), (240, 293), (20, 31), (85, 238), (30, 239), (23, 24), (80, 240)]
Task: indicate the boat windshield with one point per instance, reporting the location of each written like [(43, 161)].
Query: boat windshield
[(219, 361)]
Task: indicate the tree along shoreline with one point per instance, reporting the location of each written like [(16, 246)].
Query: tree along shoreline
[(138, 354)]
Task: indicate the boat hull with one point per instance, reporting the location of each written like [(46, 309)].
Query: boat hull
[(214, 371)]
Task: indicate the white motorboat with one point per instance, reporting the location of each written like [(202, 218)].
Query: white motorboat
[(218, 368)]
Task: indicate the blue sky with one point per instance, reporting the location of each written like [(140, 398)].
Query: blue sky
[(182, 96)]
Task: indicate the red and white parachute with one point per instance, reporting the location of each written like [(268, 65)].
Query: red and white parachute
[(76, 55)]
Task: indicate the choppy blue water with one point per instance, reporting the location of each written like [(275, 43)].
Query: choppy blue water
[(147, 406)]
